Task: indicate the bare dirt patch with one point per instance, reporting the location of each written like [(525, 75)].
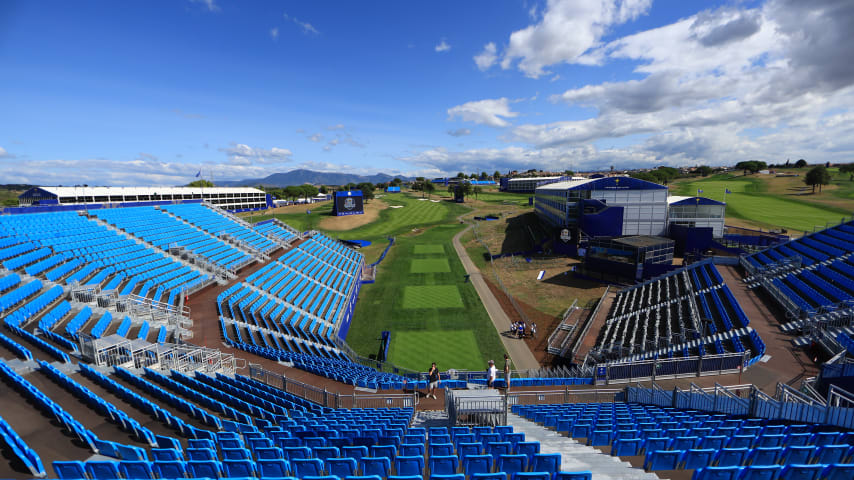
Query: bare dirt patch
[(349, 222)]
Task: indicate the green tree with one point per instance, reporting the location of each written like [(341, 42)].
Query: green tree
[(648, 176), (396, 182), (367, 189), (496, 175), (801, 163), (704, 170), (817, 175), (201, 183), (461, 175), (429, 188), (483, 176), (849, 169), (323, 189), (751, 166), (477, 191)]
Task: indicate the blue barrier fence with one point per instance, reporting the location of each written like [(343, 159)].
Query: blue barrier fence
[(382, 255)]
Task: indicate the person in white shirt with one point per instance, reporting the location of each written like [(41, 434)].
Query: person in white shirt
[(491, 374)]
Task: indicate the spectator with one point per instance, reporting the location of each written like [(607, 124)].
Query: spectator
[(491, 374), (507, 372), (533, 329), (433, 378)]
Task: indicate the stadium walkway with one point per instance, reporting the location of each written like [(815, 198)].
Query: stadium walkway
[(519, 352)]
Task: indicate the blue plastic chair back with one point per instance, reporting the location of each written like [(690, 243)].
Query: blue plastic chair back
[(512, 463), (580, 475), (375, 466), (730, 457), (802, 472), (409, 465), (136, 469), (238, 468), (204, 468), (761, 472), (717, 473), (355, 451), (662, 460), (531, 476), (765, 455), (168, 469), (828, 454), (72, 469), (307, 466), (546, 462), (466, 449), (273, 467), (839, 472), (444, 465), (477, 464), (695, 458)]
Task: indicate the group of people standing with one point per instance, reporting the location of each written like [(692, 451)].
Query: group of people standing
[(491, 375), (520, 329)]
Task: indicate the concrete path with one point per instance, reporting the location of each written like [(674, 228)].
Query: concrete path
[(577, 457), (520, 354)]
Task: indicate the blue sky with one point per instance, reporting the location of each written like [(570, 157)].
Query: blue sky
[(128, 93)]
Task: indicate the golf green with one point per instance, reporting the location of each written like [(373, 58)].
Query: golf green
[(429, 265), (432, 296), (428, 249), (448, 348)]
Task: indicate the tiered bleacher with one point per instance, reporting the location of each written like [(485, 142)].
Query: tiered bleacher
[(714, 445), (164, 231), (217, 224), (688, 312), (272, 230), (289, 309), (812, 277)]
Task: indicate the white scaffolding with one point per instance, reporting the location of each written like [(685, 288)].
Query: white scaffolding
[(117, 350)]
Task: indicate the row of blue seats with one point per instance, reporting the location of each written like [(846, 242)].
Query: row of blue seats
[(34, 305), (777, 472), (16, 296), (163, 230), (273, 230), (153, 409), (213, 222), (814, 248), (42, 344), (269, 469), (105, 408), (21, 450), (691, 459)]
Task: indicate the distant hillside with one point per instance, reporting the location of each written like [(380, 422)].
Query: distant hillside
[(299, 177)]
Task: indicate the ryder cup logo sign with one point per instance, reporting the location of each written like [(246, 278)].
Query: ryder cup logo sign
[(349, 203)]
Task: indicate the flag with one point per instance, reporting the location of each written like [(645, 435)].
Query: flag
[(199, 173), (727, 190), (699, 191)]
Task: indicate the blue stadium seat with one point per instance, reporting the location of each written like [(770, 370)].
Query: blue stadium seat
[(717, 473), (302, 467), (277, 468), (71, 470), (581, 475), (136, 469), (477, 464), (376, 466), (802, 472), (697, 458), (761, 472), (662, 460), (409, 465)]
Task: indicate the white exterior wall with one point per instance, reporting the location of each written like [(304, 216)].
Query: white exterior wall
[(644, 211)]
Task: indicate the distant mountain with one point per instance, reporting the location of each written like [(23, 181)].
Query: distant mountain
[(302, 176)]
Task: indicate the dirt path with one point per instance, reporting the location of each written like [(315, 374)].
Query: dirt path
[(518, 350)]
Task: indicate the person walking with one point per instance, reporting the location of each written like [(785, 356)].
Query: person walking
[(533, 330), (507, 372), (491, 374), (433, 378)]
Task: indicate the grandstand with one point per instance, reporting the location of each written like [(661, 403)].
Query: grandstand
[(812, 279), (689, 312), (102, 384)]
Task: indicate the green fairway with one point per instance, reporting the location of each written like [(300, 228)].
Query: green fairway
[(429, 265), (749, 201), (432, 296), (428, 249), (419, 308), (422, 348)]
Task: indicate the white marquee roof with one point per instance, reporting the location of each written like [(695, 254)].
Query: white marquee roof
[(108, 191)]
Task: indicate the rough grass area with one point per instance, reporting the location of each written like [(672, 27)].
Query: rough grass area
[(382, 305), (431, 296), (422, 348), (770, 202), (429, 265)]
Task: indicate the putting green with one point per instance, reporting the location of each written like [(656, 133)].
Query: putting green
[(429, 265), (449, 348), (432, 296), (429, 248)]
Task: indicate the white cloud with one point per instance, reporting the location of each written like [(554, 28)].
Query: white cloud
[(443, 46), (492, 112), (306, 27), (339, 126), (210, 5), (242, 154), (5, 154), (146, 157), (274, 33), (487, 57), (460, 132), (317, 137), (567, 30)]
